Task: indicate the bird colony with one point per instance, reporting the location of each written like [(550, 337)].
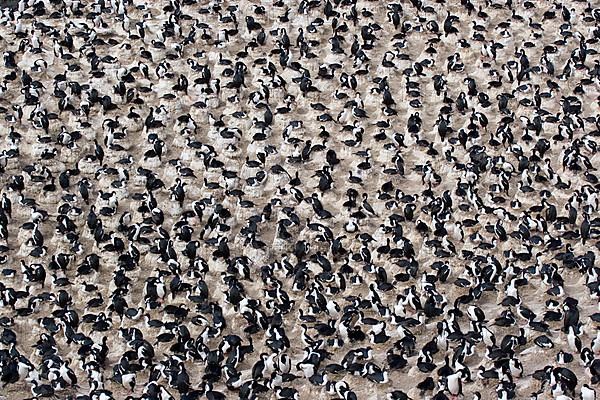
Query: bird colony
[(330, 199)]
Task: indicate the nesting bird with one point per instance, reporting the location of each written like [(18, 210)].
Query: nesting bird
[(187, 187)]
